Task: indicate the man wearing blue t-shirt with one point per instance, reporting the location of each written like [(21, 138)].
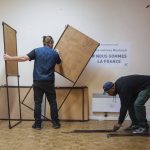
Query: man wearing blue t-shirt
[(45, 58)]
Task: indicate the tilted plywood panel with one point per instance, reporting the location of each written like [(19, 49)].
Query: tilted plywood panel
[(76, 50), (10, 46)]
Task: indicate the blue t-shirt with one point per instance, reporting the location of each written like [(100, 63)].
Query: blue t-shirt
[(45, 60)]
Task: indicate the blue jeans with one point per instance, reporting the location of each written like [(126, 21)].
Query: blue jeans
[(139, 103), (47, 87), (132, 114)]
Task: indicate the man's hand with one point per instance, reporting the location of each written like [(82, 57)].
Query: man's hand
[(6, 57), (116, 127), (59, 53)]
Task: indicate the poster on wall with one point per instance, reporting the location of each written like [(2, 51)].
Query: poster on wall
[(111, 55)]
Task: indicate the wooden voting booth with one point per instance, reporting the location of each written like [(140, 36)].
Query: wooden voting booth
[(74, 109), (76, 50)]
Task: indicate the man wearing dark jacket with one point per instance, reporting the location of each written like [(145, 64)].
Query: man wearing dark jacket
[(45, 58), (134, 92)]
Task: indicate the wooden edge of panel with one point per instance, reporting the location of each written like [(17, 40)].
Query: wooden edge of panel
[(3, 23)]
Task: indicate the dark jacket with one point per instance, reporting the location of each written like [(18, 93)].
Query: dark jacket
[(128, 88)]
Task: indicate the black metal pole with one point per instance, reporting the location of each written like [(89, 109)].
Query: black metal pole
[(19, 99), (83, 103), (26, 95), (8, 105)]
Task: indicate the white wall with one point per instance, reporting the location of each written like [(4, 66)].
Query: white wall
[(126, 21)]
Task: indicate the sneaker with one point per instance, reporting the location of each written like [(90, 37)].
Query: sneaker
[(36, 126), (131, 127), (140, 130), (56, 125)]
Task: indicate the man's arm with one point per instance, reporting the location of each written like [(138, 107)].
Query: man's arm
[(16, 58), (124, 107), (59, 60), (123, 110)]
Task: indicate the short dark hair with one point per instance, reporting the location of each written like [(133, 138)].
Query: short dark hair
[(48, 40)]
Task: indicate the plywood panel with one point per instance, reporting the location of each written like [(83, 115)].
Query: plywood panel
[(13, 103), (76, 50), (28, 105), (10, 46), (76, 105), (3, 104)]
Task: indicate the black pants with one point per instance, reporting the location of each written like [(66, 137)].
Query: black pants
[(47, 87)]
